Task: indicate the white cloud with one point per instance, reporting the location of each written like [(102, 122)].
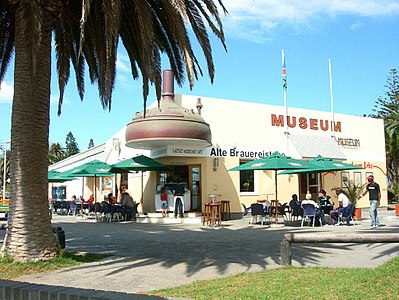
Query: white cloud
[(255, 19), (356, 25), (6, 92), (123, 63)]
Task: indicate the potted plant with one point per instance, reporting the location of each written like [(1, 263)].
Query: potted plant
[(353, 191)]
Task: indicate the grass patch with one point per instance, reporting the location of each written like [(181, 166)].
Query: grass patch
[(10, 269), (298, 283)]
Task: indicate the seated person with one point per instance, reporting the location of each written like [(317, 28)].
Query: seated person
[(309, 200), (90, 202), (111, 199), (266, 207), (128, 206), (344, 208), (295, 205), (326, 204)]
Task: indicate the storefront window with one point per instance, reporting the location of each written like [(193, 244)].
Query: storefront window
[(247, 182)]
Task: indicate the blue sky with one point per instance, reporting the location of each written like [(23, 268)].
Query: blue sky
[(360, 37)]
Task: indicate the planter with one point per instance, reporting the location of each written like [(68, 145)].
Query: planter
[(358, 213)]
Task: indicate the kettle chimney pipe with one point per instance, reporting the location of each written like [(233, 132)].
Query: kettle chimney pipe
[(168, 84)]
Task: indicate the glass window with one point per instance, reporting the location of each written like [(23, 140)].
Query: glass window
[(247, 182)]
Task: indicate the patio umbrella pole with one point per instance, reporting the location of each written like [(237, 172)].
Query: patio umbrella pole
[(142, 191), (275, 187)]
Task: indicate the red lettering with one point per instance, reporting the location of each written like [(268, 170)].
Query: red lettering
[(303, 123), (324, 125), (337, 126), (313, 124), (277, 121), (291, 121)]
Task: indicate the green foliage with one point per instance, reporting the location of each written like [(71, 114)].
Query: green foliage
[(56, 153), (71, 144), (353, 191), (91, 144), (387, 108), (394, 189), (297, 283)]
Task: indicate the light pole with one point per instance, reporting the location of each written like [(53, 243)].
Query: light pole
[(5, 169)]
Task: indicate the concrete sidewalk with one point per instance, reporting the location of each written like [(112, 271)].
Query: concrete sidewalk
[(149, 257)]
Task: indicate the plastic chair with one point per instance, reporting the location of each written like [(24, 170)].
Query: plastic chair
[(309, 211), (246, 213), (257, 210)]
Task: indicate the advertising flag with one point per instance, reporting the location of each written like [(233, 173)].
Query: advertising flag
[(284, 71)]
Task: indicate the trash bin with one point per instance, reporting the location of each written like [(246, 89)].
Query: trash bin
[(60, 236)]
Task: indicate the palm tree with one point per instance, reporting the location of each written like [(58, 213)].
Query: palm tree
[(56, 153), (387, 108), (85, 33)]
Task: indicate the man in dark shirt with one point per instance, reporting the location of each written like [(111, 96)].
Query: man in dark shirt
[(373, 189)]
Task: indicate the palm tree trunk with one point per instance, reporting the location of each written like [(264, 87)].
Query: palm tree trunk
[(29, 235)]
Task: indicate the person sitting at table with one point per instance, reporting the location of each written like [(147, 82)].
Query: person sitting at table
[(90, 202), (111, 199), (326, 204), (128, 206), (309, 200), (295, 205), (344, 208)]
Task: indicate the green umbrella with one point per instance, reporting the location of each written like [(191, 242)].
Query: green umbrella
[(94, 168), (322, 164), (138, 163), (55, 176), (276, 161)]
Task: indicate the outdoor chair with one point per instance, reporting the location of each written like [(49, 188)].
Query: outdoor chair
[(283, 210), (350, 213), (246, 213), (310, 213), (296, 210), (257, 210), (72, 208)]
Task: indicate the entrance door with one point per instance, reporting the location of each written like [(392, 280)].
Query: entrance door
[(195, 187), (311, 183)]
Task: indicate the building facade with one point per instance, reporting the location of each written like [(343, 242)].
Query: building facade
[(240, 132)]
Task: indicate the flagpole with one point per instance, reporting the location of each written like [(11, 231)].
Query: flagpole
[(284, 75), (331, 98)]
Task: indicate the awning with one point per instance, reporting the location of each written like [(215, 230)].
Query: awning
[(310, 146)]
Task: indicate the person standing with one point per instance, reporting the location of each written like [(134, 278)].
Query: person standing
[(374, 191), (164, 204)]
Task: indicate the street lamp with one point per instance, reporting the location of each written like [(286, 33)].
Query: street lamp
[(5, 169)]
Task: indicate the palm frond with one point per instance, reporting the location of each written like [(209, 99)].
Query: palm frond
[(7, 37)]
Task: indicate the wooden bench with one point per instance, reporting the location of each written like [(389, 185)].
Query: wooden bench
[(289, 239)]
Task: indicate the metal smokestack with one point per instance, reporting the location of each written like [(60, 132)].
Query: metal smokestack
[(168, 84)]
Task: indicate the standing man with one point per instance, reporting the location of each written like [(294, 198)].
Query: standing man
[(373, 189)]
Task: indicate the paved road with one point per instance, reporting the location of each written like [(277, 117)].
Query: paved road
[(154, 256)]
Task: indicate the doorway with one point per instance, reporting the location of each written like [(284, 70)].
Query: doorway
[(309, 182), (190, 177)]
